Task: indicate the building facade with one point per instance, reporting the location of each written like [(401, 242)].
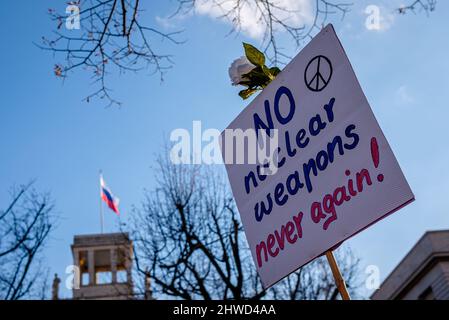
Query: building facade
[(104, 268), (423, 274)]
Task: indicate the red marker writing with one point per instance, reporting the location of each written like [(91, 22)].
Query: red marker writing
[(375, 157)]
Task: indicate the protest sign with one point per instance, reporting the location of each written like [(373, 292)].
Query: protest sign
[(336, 173)]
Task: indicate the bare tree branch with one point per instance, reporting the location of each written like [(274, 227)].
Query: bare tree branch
[(275, 17), (112, 40), (418, 5), (109, 41), (113, 37), (24, 229), (189, 239), (315, 281)]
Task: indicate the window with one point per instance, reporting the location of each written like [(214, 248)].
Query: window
[(121, 276), (427, 294), (102, 263), (103, 277), (84, 279)]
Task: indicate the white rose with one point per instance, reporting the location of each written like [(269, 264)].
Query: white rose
[(238, 68)]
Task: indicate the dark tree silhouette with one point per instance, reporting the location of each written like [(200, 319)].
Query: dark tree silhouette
[(25, 226), (115, 38), (189, 241), (315, 281), (418, 6), (278, 19)]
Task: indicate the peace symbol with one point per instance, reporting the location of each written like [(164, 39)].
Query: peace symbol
[(318, 73)]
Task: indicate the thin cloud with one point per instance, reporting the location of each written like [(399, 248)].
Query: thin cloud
[(386, 21), (249, 20), (403, 96), (166, 23)]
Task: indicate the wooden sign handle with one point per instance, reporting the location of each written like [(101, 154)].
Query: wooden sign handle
[(339, 281)]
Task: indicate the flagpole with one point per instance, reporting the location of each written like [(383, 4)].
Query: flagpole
[(101, 204)]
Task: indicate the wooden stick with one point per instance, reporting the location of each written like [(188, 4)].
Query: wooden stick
[(339, 281)]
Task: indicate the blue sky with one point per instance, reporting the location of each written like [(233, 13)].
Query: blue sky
[(47, 133)]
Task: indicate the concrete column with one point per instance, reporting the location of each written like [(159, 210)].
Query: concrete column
[(128, 265), (91, 267), (76, 258), (78, 273), (114, 265)]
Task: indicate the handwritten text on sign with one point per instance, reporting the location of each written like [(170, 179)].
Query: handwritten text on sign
[(336, 173)]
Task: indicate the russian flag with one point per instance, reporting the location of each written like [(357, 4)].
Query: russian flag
[(108, 197)]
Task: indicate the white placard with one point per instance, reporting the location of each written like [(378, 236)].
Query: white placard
[(336, 172)]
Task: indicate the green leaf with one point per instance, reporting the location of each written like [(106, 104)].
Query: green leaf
[(275, 71), (254, 56), (256, 77), (245, 94), (268, 73)]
